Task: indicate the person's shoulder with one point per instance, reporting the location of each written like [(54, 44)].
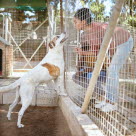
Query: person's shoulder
[(121, 29), (99, 25)]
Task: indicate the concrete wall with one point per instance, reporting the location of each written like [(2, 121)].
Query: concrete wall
[(79, 124)]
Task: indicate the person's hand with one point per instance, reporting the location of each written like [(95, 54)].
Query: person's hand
[(78, 51), (79, 73)]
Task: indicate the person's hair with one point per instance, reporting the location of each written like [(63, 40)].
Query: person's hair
[(83, 14)]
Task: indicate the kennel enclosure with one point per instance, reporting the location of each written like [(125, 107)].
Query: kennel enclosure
[(121, 122)]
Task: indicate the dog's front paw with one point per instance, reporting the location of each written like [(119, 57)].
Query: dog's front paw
[(9, 118), (20, 125)]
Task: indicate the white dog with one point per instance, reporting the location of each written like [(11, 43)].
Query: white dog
[(50, 68)]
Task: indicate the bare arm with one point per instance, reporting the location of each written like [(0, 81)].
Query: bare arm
[(85, 53)]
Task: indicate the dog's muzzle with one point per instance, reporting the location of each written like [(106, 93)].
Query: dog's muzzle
[(63, 40)]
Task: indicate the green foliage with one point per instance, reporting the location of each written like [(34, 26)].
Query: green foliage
[(97, 10), (128, 16), (130, 21)]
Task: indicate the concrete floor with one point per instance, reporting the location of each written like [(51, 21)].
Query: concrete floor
[(38, 121)]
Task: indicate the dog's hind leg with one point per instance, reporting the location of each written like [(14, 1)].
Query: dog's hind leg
[(26, 94), (12, 106)]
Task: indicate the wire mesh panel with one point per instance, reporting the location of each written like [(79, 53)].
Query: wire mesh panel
[(113, 106), (33, 48), (28, 32)]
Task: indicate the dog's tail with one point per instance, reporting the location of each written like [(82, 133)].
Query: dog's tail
[(9, 87)]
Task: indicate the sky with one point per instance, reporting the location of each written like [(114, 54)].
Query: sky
[(108, 5)]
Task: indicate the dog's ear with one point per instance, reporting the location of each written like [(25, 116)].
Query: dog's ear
[(63, 37), (51, 44)]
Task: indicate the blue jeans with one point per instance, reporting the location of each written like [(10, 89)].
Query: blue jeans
[(83, 80), (112, 79)]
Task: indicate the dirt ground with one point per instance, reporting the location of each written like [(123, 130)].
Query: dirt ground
[(38, 121)]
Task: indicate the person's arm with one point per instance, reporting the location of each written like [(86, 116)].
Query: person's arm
[(85, 53)]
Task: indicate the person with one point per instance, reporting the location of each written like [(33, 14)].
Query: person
[(91, 40), (87, 53)]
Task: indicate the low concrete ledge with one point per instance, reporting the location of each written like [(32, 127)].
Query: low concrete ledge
[(79, 124)]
